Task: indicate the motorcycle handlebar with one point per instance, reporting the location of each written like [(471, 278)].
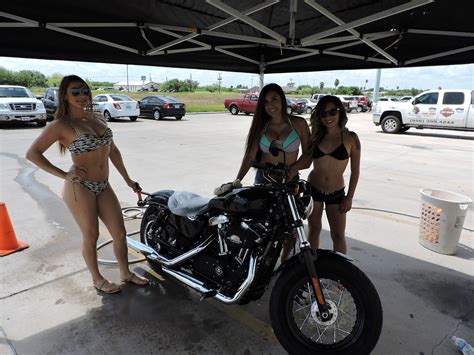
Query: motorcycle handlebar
[(267, 166)]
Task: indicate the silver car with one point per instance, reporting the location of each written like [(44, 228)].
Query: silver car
[(113, 106)]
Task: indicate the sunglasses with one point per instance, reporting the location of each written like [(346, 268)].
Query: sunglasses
[(331, 112), (78, 91)]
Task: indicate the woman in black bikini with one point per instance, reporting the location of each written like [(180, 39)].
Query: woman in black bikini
[(87, 191), (333, 147)]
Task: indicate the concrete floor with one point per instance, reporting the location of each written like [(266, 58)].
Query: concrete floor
[(48, 305)]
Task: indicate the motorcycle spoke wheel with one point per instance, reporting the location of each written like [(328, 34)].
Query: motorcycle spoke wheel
[(343, 312)]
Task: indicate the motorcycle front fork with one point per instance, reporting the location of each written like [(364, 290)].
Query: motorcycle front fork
[(309, 256)]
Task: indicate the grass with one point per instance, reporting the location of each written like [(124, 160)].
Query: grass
[(198, 101)]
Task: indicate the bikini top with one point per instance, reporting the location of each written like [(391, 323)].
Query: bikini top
[(340, 153), (88, 142), (291, 143)]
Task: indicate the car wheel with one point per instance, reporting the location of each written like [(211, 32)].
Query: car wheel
[(157, 115), (349, 110), (247, 113), (108, 116), (179, 117), (289, 111), (391, 124), (133, 118), (234, 110), (41, 123), (308, 110), (359, 109)]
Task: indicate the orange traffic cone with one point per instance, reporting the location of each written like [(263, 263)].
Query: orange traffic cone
[(8, 242)]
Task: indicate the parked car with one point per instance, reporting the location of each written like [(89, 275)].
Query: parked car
[(18, 104), (247, 105), (158, 106), (349, 102), (142, 89), (438, 109), (50, 102), (295, 106), (362, 103), (406, 98), (113, 106), (317, 97), (387, 98), (310, 104)]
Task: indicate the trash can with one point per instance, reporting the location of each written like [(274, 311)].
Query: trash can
[(442, 217)]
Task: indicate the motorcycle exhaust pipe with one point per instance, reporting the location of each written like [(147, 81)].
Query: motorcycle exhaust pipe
[(152, 254), (198, 286)]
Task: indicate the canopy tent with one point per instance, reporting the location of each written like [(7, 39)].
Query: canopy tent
[(272, 36)]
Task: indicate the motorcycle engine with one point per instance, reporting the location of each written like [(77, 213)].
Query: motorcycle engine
[(228, 265)]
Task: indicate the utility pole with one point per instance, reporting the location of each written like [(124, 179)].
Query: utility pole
[(128, 87), (219, 78)]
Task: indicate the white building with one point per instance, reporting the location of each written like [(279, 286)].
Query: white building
[(135, 85)]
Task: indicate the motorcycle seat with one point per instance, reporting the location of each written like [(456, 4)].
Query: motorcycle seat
[(187, 204)]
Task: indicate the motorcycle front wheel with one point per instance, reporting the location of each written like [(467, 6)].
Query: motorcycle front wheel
[(356, 312)]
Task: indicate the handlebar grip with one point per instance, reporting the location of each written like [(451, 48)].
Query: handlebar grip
[(258, 165), (139, 194)]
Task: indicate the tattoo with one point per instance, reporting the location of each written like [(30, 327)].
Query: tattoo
[(356, 140)]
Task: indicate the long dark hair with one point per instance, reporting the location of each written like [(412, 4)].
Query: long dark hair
[(62, 111), (261, 117), (318, 130)]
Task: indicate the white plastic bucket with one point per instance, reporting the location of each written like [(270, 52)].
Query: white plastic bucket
[(441, 219)]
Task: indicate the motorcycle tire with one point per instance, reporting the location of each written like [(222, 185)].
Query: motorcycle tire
[(355, 307), (149, 220)]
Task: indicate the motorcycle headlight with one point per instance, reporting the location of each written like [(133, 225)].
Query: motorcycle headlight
[(308, 209), (305, 197)]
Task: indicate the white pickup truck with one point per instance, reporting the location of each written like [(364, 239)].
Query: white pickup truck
[(438, 109), (17, 103)]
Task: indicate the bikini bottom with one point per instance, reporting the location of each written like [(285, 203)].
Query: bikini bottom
[(329, 198), (96, 187)]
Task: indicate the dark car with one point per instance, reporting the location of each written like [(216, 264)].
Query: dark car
[(50, 102), (295, 106), (158, 106)]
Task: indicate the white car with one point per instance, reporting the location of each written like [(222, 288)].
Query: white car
[(389, 99), (406, 98), (310, 104), (113, 106), (17, 103)]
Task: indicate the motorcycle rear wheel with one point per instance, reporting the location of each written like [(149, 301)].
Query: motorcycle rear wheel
[(150, 221), (355, 307)]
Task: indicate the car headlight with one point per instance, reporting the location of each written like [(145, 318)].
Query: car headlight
[(39, 105), (3, 106)]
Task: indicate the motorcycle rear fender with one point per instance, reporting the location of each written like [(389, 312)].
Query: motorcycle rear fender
[(320, 253)]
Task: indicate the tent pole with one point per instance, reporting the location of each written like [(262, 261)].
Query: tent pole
[(377, 85), (262, 67)]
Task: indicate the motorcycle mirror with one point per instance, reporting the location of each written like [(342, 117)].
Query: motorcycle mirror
[(275, 148)]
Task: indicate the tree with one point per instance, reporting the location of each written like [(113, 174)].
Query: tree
[(321, 85), (6, 76), (55, 79), (336, 83)]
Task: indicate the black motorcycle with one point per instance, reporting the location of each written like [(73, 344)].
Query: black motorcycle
[(228, 249)]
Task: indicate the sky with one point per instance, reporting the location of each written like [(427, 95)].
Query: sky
[(446, 77)]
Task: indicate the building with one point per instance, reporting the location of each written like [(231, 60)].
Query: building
[(136, 85)]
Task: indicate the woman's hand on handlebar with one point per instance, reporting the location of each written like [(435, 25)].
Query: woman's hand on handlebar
[(134, 185)]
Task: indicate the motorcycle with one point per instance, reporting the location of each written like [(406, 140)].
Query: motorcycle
[(228, 247)]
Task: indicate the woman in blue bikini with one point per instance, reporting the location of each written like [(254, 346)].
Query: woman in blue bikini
[(270, 122), (87, 192), (333, 146)]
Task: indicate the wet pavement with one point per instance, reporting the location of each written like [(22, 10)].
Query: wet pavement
[(48, 305)]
